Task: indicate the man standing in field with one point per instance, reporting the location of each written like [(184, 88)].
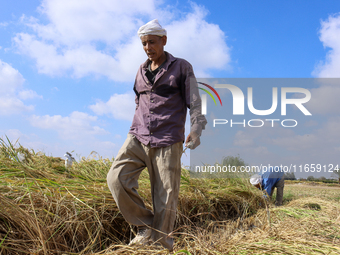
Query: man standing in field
[(165, 87), (269, 180)]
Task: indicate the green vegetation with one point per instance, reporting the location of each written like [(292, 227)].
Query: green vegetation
[(233, 161), (289, 176)]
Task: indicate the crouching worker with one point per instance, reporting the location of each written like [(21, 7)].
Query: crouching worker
[(269, 180), (165, 87)]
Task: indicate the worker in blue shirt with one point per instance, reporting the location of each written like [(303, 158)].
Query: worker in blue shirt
[(269, 179)]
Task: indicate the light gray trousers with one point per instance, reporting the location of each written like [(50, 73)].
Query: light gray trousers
[(164, 166)]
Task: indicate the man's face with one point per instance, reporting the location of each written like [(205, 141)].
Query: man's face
[(153, 46)]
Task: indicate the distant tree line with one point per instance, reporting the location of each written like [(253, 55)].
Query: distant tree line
[(289, 176), (319, 179), (233, 161)]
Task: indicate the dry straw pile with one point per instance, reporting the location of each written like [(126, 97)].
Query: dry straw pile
[(47, 209)]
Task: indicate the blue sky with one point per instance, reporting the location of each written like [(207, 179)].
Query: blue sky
[(67, 67)]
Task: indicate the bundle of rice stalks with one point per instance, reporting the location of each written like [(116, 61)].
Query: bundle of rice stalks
[(51, 220), (47, 211), (7, 150), (18, 227), (295, 229), (94, 167), (217, 199)]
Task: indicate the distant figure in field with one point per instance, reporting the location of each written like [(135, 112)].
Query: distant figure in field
[(69, 160), (268, 180)]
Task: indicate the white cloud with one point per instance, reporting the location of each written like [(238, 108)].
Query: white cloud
[(325, 97), (14, 135), (325, 100), (11, 91), (10, 79), (201, 43), (82, 61), (119, 106), (330, 38), (9, 106), (77, 22), (29, 141), (76, 126), (99, 37), (47, 59), (28, 94)]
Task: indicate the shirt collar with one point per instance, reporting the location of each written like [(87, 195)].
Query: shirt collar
[(169, 60)]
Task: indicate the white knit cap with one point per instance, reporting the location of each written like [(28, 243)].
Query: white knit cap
[(151, 28), (255, 179)]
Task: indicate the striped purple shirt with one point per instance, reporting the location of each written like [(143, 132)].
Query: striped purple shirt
[(161, 107)]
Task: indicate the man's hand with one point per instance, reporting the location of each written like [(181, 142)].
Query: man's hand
[(192, 141)]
